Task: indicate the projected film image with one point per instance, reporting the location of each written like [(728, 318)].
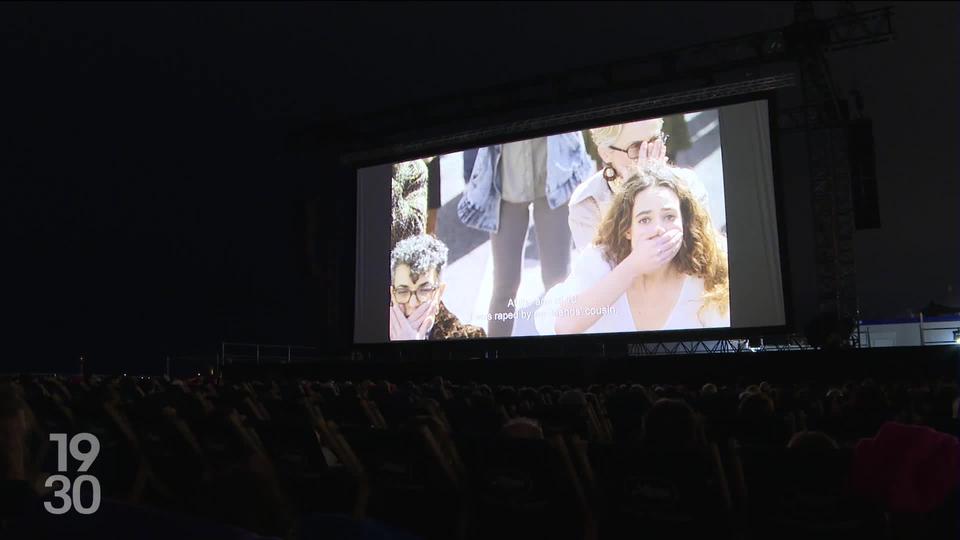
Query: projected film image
[(618, 228)]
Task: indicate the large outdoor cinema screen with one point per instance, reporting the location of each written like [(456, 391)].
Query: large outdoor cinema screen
[(663, 223)]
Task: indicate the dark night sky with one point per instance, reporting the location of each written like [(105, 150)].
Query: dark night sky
[(151, 204)]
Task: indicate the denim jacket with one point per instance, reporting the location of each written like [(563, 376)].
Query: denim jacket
[(568, 164)]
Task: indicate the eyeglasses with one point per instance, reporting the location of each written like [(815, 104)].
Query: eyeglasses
[(424, 293), (633, 151)]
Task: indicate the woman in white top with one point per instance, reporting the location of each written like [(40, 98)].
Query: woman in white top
[(655, 264)]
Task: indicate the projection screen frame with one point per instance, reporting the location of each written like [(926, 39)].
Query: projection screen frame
[(712, 97), (568, 121)]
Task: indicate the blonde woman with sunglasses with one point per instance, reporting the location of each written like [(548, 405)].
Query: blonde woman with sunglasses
[(623, 148)]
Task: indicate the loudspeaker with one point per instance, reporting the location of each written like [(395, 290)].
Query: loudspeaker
[(863, 174)]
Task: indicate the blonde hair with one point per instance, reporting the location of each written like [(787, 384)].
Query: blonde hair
[(606, 135), (700, 254)]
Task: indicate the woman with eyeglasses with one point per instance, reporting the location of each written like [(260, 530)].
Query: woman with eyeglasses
[(623, 148)]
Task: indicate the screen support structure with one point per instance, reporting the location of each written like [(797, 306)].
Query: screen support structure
[(708, 67), (622, 107), (823, 116), (657, 348), (722, 346)]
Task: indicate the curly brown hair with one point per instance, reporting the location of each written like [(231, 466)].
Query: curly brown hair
[(700, 254)]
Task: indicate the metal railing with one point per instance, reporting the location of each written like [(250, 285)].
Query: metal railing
[(947, 330), (923, 332), (261, 354)]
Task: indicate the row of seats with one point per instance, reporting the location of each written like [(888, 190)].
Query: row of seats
[(444, 460)]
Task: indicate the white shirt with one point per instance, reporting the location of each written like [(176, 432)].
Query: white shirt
[(524, 170), (589, 268)]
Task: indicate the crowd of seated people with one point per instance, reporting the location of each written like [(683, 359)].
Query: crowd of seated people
[(207, 458)]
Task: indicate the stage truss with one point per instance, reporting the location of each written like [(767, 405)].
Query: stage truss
[(720, 346), (792, 56)]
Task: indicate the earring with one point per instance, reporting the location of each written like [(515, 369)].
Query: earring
[(609, 173)]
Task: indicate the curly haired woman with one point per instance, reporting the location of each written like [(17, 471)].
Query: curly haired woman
[(656, 264)]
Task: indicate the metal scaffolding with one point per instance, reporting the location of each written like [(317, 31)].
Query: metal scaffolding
[(795, 55)]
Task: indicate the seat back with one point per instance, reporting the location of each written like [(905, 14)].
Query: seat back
[(803, 493), (526, 488), (412, 485), (659, 492)]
